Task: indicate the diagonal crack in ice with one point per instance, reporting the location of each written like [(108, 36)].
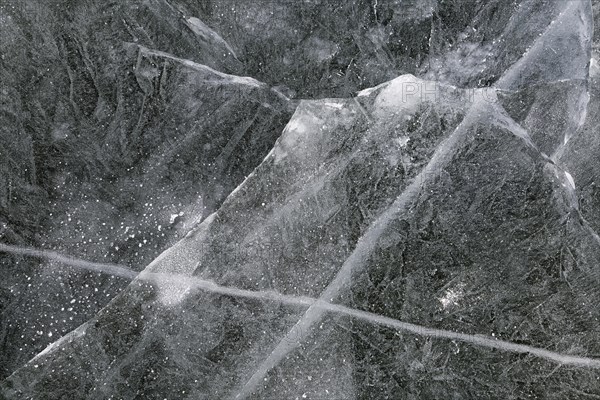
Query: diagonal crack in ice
[(357, 260), (512, 75), (507, 122)]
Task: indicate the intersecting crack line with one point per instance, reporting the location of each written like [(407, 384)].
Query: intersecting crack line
[(512, 74), (508, 123), (479, 110), (325, 306)]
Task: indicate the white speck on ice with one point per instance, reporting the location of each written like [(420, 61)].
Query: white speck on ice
[(52, 346), (402, 141), (174, 217), (451, 296)]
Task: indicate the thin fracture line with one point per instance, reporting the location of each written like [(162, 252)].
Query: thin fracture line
[(478, 340), (111, 269), (193, 282), (212, 287)]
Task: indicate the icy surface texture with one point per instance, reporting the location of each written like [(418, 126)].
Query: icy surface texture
[(432, 236), (111, 151)]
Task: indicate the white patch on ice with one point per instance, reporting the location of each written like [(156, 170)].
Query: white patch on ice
[(334, 105), (402, 141), (404, 95), (320, 50), (172, 289), (451, 297), (301, 135), (483, 95), (594, 67), (61, 132), (297, 126), (365, 92), (368, 91), (570, 180)]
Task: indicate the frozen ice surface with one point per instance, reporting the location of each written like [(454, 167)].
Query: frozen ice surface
[(420, 222)]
